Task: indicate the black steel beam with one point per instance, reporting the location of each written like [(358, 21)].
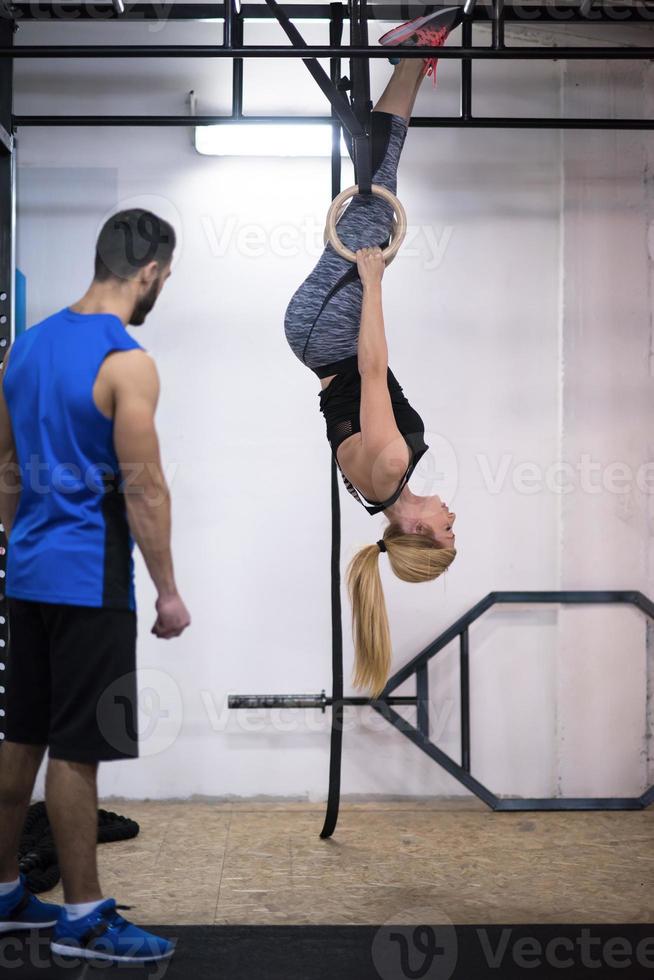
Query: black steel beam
[(229, 16), (163, 120), (6, 141), (568, 597), (567, 12), (234, 32), (514, 804), (336, 98), (248, 702), (422, 692), (419, 122), (498, 18), (444, 760), (464, 685), (337, 18), (466, 72), (495, 598), (441, 641), (420, 735), (58, 51), (644, 604), (647, 798), (535, 122)]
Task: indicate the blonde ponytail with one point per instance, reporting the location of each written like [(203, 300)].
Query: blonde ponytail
[(413, 558), (370, 629)]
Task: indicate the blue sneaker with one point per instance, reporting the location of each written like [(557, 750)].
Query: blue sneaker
[(105, 935), (21, 910)]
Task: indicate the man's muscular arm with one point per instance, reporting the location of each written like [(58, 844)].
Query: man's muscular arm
[(132, 378)]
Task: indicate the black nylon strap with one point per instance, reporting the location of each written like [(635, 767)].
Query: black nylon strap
[(336, 753), (361, 104), (336, 745)]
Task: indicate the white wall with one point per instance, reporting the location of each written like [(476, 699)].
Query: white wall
[(607, 402), (523, 343)]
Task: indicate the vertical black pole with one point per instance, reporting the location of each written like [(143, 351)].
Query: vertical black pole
[(466, 71), (498, 24), (228, 29), (336, 748), (464, 662), (7, 285), (237, 65), (336, 37), (422, 692)]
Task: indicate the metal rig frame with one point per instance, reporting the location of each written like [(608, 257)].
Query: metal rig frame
[(418, 669), (493, 12), (353, 114)]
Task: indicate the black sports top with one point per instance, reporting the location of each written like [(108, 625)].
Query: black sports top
[(340, 403)]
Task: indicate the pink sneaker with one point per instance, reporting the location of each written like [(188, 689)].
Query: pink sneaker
[(430, 31)]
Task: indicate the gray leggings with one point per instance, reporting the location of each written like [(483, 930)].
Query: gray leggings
[(323, 329)]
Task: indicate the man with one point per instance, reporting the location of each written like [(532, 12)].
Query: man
[(79, 470)]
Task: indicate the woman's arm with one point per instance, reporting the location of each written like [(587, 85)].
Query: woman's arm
[(386, 451), (372, 349)]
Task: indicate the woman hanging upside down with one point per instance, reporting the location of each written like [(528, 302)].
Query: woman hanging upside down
[(335, 325)]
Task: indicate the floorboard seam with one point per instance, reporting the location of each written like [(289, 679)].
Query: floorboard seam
[(222, 866)]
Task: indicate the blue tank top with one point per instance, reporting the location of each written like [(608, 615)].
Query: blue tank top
[(70, 542)]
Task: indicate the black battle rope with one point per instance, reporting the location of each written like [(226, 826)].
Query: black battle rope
[(336, 747), (37, 854)]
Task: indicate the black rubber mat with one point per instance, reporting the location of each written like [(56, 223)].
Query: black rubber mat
[(390, 952)]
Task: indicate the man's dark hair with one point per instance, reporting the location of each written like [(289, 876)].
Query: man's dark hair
[(130, 240)]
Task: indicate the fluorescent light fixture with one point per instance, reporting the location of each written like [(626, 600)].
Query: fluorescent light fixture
[(244, 139)]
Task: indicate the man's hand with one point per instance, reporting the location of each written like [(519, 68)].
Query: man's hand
[(371, 265), (172, 617)]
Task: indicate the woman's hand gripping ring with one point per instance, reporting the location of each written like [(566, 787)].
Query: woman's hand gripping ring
[(336, 210)]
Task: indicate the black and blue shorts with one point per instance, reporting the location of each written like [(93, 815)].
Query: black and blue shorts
[(71, 681)]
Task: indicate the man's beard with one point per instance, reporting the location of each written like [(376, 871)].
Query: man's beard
[(145, 304)]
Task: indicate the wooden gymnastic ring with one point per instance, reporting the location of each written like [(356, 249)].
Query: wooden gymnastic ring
[(341, 212), (336, 210)]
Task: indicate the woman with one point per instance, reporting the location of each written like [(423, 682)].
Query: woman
[(334, 324)]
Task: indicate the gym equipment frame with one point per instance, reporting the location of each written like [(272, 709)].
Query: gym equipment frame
[(418, 668)]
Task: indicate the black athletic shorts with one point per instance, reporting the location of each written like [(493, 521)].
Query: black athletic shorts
[(71, 682)]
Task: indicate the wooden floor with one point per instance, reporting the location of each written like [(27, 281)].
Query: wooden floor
[(241, 863)]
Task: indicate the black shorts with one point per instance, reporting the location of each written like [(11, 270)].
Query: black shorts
[(71, 681)]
